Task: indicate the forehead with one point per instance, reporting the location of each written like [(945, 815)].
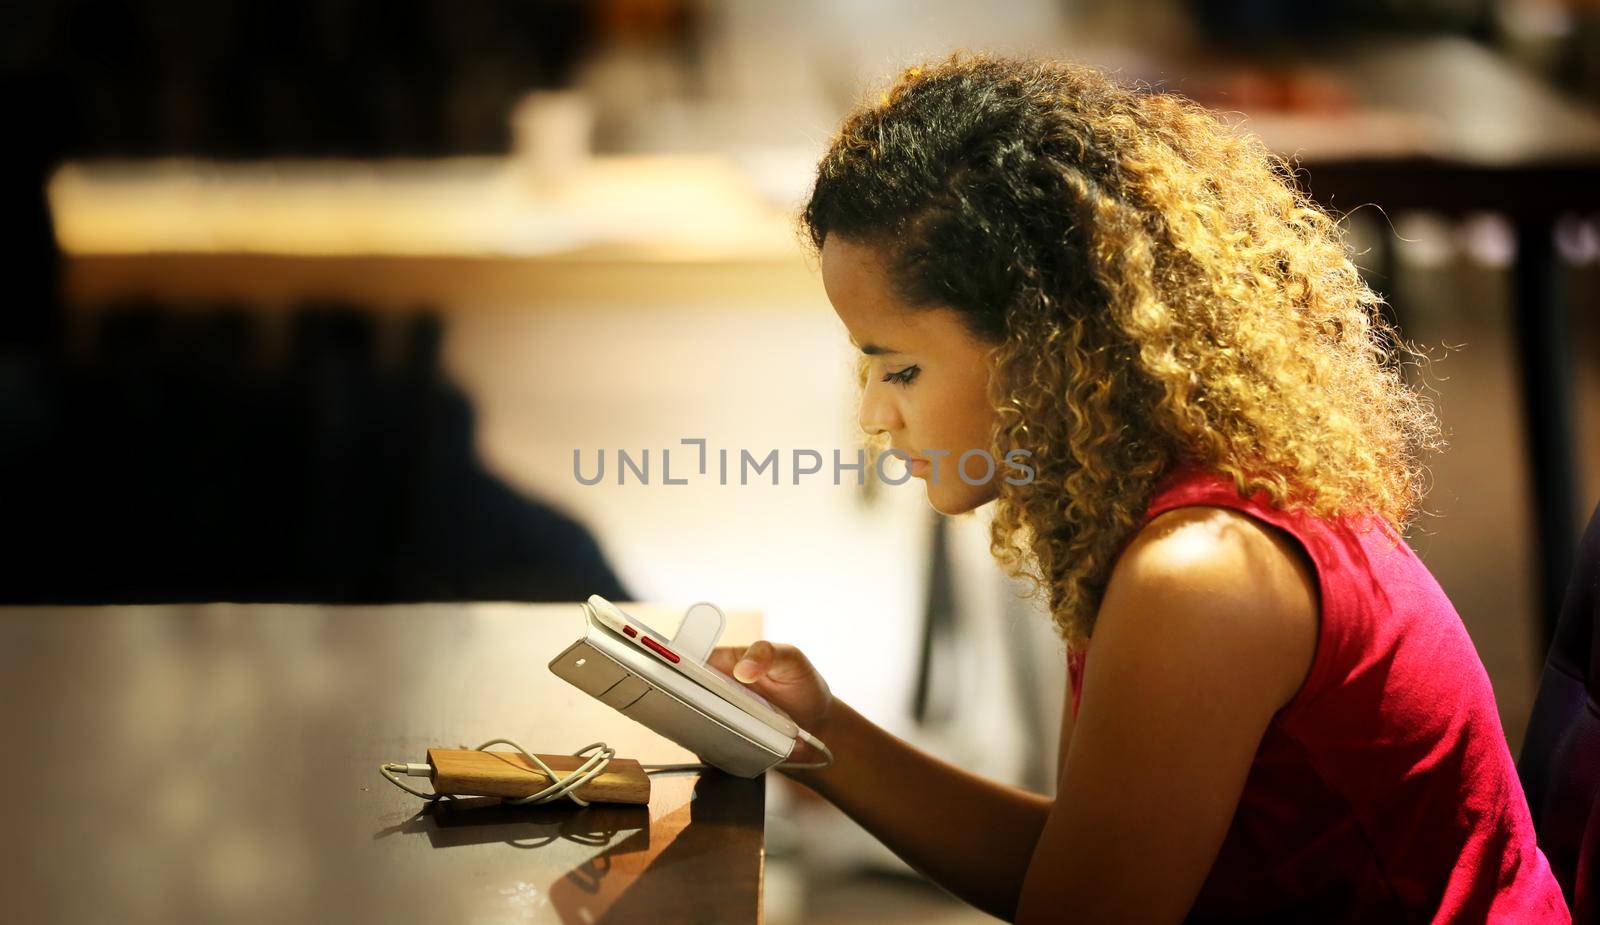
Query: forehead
[(858, 284)]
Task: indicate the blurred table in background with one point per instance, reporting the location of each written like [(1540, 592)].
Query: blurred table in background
[(1487, 137), (453, 232), (219, 763), (1427, 123)]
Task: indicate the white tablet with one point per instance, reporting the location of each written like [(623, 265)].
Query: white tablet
[(690, 663), (669, 689)]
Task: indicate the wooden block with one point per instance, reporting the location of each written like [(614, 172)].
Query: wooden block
[(468, 772)]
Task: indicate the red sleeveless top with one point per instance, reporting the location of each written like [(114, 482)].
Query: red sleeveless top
[(1384, 791)]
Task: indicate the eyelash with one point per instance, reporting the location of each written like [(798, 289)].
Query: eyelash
[(904, 376)]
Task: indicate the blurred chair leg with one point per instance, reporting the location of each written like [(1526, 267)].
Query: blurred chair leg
[(1543, 342), (930, 704)]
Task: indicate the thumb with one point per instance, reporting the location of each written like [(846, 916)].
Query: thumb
[(754, 663)]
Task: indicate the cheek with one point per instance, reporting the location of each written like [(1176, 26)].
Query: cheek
[(953, 418), (970, 414), (928, 419)]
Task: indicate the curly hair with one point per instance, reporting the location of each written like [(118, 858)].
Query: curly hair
[(1154, 290)]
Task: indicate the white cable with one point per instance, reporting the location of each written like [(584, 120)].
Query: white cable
[(564, 786), (816, 743)]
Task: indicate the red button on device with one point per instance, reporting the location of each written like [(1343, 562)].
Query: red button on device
[(629, 630), (666, 652)]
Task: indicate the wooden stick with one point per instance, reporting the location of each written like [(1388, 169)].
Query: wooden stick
[(468, 772)]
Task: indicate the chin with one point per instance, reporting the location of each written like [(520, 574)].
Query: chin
[(959, 498)]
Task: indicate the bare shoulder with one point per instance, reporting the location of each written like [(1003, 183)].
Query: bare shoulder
[(1218, 573)]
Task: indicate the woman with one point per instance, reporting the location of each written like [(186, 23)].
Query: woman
[(1276, 714)]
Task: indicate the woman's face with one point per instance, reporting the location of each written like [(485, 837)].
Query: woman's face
[(927, 378)]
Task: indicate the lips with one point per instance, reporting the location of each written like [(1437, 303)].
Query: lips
[(916, 465)]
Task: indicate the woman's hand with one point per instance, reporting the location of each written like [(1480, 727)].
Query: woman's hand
[(783, 675)]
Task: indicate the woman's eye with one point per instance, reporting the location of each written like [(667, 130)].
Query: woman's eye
[(904, 376)]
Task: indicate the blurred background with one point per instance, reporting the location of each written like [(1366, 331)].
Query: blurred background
[(316, 301)]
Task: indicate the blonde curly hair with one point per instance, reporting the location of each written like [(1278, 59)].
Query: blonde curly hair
[(1156, 291)]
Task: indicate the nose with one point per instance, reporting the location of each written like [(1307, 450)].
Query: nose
[(878, 414)]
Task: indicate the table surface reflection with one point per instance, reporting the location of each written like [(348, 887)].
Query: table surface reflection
[(219, 762)]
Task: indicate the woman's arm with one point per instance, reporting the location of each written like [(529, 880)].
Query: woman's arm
[(971, 835), (1205, 631), (1207, 628)]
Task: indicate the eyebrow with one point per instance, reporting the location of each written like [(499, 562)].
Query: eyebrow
[(873, 350)]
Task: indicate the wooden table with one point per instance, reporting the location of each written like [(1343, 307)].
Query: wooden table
[(219, 763)]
